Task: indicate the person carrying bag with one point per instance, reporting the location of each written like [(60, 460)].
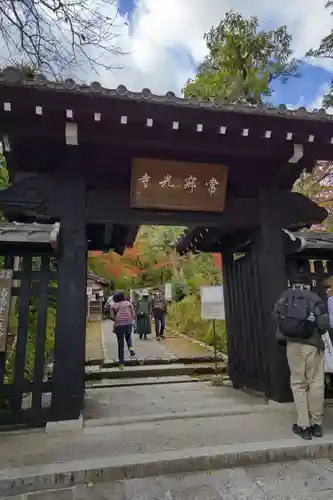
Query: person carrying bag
[(301, 321)]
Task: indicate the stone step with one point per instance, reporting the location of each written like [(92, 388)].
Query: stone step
[(58, 476), (142, 371), (154, 361), (147, 381), (218, 411)]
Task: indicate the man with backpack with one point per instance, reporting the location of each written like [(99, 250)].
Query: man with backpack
[(143, 319), (159, 310), (301, 321)]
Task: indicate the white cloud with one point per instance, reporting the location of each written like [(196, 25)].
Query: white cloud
[(160, 27)]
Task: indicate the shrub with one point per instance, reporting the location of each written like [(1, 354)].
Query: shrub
[(185, 318), (179, 290)]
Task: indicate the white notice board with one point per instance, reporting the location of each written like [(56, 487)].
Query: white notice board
[(168, 291), (212, 302)]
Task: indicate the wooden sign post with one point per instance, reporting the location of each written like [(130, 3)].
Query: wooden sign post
[(212, 308), (176, 185), (5, 296)]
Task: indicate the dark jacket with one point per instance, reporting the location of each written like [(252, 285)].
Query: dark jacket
[(142, 307), (322, 321), (158, 304)]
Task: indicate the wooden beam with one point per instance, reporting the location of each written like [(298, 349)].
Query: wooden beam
[(108, 205), (292, 211)]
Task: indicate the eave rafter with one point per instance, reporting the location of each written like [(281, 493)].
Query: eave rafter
[(86, 115)]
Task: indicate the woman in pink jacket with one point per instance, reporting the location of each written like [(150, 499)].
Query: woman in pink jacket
[(123, 315)]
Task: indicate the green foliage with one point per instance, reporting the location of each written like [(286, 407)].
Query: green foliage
[(242, 61), (32, 330), (31, 338), (4, 176), (184, 317), (179, 290), (325, 51)]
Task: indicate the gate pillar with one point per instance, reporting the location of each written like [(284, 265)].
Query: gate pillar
[(69, 349), (273, 281)]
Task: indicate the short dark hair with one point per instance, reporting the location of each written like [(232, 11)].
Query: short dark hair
[(119, 297)]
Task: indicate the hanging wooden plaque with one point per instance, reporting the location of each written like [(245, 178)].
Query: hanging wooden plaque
[(176, 185)]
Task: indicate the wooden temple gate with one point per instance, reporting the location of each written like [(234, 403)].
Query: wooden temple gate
[(101, 162)]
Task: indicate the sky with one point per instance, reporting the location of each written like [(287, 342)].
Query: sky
[(163, 43)]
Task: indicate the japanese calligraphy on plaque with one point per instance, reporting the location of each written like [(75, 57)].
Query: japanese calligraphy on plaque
[(176, 185), (5, 296)]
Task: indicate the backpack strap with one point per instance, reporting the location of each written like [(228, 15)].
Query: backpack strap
[(312, 307)]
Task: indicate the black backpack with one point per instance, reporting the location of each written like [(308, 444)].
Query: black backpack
[(296, 315)]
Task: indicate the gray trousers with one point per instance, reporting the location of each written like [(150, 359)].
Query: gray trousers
[(307, 379)]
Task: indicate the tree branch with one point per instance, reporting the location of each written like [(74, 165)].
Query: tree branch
[(61, 38)]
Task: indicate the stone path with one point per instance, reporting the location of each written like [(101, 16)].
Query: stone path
[(171, 347), (304, 480), (149, 348)]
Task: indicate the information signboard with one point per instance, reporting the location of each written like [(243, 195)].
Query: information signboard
[(168, 291), (212, 302)]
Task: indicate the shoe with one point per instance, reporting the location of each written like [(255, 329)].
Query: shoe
[(121, 366), (158, 339), (317, 431), (132, 353), (145, 337), (303, 433), (162, 337)]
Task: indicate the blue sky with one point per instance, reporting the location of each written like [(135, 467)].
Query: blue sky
[(303, 90), (126, 7), (165, 42)]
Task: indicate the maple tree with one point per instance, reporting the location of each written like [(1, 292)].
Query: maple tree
[(152, 261)]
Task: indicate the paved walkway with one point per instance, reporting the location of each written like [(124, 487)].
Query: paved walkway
[(35, 448), (158, 419), (171, 347), (305, 480), (169, 399), (149, 348)]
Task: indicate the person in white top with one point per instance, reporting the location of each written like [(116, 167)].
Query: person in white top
[(109, 304)]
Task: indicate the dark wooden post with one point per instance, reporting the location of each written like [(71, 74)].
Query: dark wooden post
[(230, 317), (273, 280), (69, 351)]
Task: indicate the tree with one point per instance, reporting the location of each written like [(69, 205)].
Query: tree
[(242, 62), (325, 51), (318, 185), (153, 261), (60, 37)]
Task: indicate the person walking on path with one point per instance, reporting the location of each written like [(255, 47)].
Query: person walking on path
[(123, 315), (159, 310), (143, 318), (301, 322)]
